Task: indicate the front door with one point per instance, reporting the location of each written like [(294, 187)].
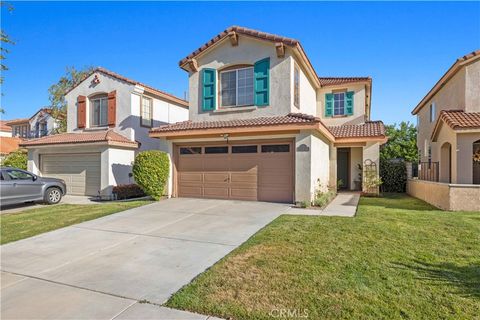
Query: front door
[(343, 161)]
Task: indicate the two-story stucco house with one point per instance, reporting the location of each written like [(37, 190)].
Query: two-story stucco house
[(448, 139), (41, 124), (448, 120), (108, 120), (264, 126)]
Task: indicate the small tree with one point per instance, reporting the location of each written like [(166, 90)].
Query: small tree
[(150, 170), (57, 91), (17, 159), (402, 142)]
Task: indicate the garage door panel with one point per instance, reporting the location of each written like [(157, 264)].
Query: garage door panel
[(191, 191), (215, 177), (191, 177), (81, 172), (190, 163), (215, 192), (244, 193)]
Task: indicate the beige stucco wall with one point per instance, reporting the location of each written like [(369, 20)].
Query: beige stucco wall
[(464, 151), (308, 94), (446, 196), (437, 194), (248, 51), (472, 87), (358, 105)]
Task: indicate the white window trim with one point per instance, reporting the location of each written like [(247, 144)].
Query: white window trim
[(344, 107), (92, 112), (141, 111), (236, 88)]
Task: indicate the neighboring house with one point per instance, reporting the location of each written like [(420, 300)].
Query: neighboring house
[(8, 145), (448, 121), (41, 124), (263, 125), (449, 135), (108, 120), (5, 130)]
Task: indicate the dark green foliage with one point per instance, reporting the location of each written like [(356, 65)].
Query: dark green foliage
[(57, 91), (151, 170), (402, 142), (128, 191), (17, 159), (394, 175)]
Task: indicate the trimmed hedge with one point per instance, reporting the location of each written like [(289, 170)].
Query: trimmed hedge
[(128, 191), (17, 159), (394, 175), (150, 170)]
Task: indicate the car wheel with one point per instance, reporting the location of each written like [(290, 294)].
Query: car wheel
[(53, 196)]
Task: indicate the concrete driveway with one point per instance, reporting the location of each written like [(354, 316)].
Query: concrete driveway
[(102, 268)]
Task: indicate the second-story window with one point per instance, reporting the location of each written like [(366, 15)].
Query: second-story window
[(432, 112), (339, 104), (296, 87), (146, 112), (236, 87), (98, 111)]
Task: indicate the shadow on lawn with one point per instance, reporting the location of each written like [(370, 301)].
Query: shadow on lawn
[(400, 201), (465, 278)]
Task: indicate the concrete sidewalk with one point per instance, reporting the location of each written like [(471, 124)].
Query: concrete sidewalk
[(344, 205), (67, 199)]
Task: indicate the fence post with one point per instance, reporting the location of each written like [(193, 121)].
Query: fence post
[(409, 168)]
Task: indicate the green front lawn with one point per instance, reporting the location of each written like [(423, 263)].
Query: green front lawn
[(398, 258), (28, 223)]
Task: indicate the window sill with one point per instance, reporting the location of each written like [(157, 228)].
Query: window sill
[(235, 109), (340, 116), (97, 128)]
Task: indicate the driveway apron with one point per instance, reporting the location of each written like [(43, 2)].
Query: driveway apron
[(102, 268)]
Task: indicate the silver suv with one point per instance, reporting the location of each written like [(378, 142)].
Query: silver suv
[(18, 186)]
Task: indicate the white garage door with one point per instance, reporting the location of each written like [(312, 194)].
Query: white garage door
[(81, 172)]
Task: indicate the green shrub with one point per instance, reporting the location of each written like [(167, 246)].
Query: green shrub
[(394, 175), (17, 159), (151, 170), (128, 191)]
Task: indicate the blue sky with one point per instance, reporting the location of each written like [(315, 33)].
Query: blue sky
[(404, 47)]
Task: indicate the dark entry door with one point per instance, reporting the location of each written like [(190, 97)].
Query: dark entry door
[(343, 161)]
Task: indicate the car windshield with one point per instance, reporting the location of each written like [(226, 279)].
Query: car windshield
[(18, 175)]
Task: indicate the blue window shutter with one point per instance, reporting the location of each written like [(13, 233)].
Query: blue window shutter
[(261, 71), (349, 103), (209, 89), (328, 104)]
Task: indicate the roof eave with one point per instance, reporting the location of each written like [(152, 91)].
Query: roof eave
[(452, 71)]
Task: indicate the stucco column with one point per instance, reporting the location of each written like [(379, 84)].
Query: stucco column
[(33, 162), (303, 167)]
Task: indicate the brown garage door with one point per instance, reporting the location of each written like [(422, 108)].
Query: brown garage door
[(243, 171)]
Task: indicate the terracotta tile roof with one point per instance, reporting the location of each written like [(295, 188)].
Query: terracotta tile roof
[(365, 130), (17, 121), (459, 119), (291, 118), (4, 127), (244, 31), (9, 144), (109, 136), (148, 88), (331, 81), (454, 68)]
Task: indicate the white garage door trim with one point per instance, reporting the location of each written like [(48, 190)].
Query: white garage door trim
[(81, 171)]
